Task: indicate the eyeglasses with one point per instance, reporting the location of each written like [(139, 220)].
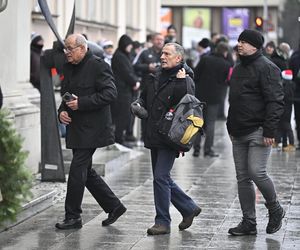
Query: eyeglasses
[(70, 49)]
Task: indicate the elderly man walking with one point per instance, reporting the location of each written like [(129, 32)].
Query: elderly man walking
[(162, 92), (89, 89)]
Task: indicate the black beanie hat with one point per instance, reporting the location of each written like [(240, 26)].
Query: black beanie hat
[(204, 43), (253, 37)]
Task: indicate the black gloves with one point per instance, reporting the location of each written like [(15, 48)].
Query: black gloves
[(138, 110)]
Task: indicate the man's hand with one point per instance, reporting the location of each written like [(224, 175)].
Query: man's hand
[(73, 104), (268, 141), (136, 86), (152, 67), (65, 118), (181, 73)]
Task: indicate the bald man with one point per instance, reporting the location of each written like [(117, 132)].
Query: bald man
[(88, 90)]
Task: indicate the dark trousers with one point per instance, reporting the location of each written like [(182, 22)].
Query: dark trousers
[(210, 116), (129, 129), (285, 132), (83, 175), (121, 116), (165, 189)]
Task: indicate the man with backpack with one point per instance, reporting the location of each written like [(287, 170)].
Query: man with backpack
[(162, 93)]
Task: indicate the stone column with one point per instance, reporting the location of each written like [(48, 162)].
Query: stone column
[(15, 28)]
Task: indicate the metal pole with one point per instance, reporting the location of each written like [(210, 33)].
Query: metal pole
[(265, 18)]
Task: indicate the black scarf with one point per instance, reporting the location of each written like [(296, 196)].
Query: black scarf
[(246, 60), (166, 74)]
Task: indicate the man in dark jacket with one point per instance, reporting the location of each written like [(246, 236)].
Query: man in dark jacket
[(210, 76), (148, 62), (256, 104), (87, 115), (162, 92), (295, 67)]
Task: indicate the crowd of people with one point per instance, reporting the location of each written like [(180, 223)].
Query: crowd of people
[(149, 80)]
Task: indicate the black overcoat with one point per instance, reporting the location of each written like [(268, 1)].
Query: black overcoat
[(92, 81)]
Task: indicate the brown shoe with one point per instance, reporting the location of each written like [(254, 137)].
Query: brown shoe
[(158, 229), (187, 221)]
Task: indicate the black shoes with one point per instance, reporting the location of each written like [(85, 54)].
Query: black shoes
[(114, 215), (243, 228), (187, 221), (196, 153), (158, 229), (211, 153), (276, 214), (69, 224)]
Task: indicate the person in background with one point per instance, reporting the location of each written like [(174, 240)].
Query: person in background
[(210, 80), (171, 34), (1, 98), (86, 113), (163, 91), (255, 107), (36, 50), (295, 67), (108, 50), (126, 82), (269, 49), (203, 49), (285, 133), (147, 63)]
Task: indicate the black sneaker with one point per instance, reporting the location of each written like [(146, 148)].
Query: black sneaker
[(275, 220), (243, 228)]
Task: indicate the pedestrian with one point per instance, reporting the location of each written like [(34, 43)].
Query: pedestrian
[(295, 67), (1, 98), (90, 84), (256, 104), (285, 133), (210, 80), (147, 63), (108, 51), (162, 92), (126, 82), (171, 34), (36, 50)]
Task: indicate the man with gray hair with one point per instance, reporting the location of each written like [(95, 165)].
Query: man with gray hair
[(88, 90), (161, 94)]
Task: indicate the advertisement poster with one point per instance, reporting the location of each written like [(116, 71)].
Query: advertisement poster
[(165, 20), (234, 22), (196, 25)]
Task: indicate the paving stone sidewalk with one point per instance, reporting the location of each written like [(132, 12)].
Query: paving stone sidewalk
[(210, 181)]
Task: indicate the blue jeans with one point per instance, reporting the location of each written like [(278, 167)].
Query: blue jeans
[(250, 158), (165, 189)]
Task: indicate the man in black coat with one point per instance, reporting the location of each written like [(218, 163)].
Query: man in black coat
[(89, 81), (210, 80), (256, 104), (163, 91)]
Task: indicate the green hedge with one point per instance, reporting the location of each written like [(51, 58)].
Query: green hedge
[(15, 178)]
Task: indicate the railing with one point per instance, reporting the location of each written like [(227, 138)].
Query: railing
[(3, 5)]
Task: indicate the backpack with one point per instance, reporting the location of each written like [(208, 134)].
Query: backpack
[(181, 125)]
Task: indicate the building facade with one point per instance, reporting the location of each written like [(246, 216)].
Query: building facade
[(195, 19), (98, 19)]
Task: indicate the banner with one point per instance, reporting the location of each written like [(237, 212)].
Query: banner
[(234, 22), (196, 25), (165, 20)]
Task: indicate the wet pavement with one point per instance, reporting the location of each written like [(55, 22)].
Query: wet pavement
[(209, 181)]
